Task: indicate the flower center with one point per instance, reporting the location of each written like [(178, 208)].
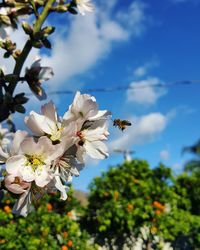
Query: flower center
[(81, 136), (56, 134), (34, 161), (17, 180)]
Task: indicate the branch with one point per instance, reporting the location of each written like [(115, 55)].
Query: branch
[(28, 46)]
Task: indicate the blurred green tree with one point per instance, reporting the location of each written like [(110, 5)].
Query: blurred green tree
[(53, 224), (131, 196)]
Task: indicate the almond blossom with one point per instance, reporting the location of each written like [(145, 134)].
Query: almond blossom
[(89, 140), (35, 76), (48, 123), (33, 164), (15, 184), (91, 126), (84, 5), (14, 147), (85, 107)]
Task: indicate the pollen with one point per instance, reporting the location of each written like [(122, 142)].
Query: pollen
[(56, 134), (79, 134), (34, 161)]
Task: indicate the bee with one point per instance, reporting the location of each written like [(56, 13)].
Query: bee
[(121, 124)]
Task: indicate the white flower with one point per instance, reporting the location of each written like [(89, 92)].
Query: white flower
[(43, 73), (14, 148), (91, 126), (145, 231), (33, 164), (15, 184), (48, 123), (35, 76), (84, 107), (66, 166), (167, 246), (89, 140), (84, 5)]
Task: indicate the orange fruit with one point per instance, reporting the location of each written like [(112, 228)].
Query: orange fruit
[(65, 234), (158, 205), (158, 212), (130, 207), (69, 243), (2, 241), (69, 214), (64, 247), (49, 207), (7, 209)]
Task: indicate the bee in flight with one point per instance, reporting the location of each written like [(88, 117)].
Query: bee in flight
[(121, 124)]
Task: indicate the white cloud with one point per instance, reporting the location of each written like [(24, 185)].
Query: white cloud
[(145, 93), (144, 129), (90, 38), (134, 18), (82, 47), (164, 155), (144, 69), (140, 71)]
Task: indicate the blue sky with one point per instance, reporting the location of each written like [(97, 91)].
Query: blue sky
[(132, 43)]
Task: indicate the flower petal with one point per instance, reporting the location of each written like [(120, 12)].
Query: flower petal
[(19, 136), (30, 147), (42, 176), (27, 173), (34, 121), (22, 205), (62, 188), (3, 156), (14, 187), (14, 164), (49, 111), (96, 149)]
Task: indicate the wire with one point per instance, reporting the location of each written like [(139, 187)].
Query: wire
[(124, 87)]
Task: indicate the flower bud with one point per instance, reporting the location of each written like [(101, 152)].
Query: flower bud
[(5, 20), (16, 54), (48, 30), (27, 28), (61, 8), (19, 108)]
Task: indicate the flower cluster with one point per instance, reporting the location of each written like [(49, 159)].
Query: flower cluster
[(47, 160)]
